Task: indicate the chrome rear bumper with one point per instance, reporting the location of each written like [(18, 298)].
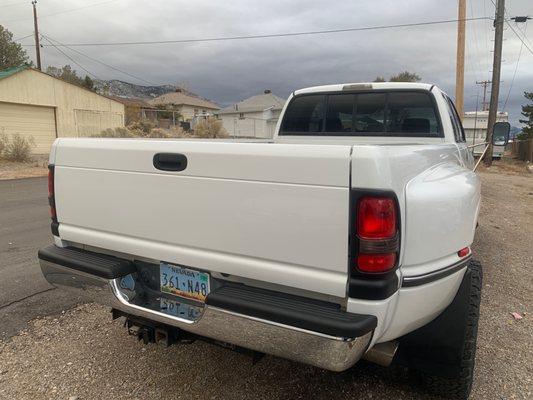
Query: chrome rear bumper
[(321, 350)]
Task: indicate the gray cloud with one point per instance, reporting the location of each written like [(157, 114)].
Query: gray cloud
[(230, 71)]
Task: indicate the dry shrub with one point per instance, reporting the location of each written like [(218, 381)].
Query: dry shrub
[(144, 126), (123, 132), (135, 131), (175, 132), (210, 128), (3, 142), (178, 132), (17, 148), (115, 133), (158, 133)]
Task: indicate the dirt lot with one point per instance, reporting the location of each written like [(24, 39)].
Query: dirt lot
[(15, 170), (82, 354)]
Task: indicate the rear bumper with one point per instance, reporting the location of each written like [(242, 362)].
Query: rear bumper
[(227, 319)]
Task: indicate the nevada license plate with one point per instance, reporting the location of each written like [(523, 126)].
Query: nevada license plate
[(184, 282)]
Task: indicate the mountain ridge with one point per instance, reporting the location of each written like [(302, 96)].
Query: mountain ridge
[(118, 88)]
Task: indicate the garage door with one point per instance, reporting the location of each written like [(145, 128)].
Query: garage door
[(35, 121)]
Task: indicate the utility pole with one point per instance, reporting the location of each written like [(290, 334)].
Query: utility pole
[(496, 72), (484, 102), (36, 28), (460, 68)]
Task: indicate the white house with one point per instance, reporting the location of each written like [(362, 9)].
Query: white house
[(475, 125), (188, 104), (255, 117)]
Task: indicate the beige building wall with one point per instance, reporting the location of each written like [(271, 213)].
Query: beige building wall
[(71, 103), (188, 112)]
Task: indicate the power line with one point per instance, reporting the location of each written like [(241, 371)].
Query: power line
[(64, 11), (96, 60), (70, 58), (518, 36), (514, 76), (478, 62), (13, 4), (514, 31), (524, 32), (23, 37), (275, 35)]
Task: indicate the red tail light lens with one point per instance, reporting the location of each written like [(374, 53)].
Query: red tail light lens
[(377, 234), (376, 218), (376, 262), (463, 252), (50, 181), (51, 192)]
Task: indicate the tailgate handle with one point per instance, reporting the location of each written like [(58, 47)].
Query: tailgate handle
[(170, 161)]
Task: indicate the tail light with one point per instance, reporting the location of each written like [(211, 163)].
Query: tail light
[(377, 234), (52, 200), (376, 218), (463, 252)]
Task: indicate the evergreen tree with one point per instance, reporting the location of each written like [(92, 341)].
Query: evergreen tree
[(404, 76), (527, 111), (11, 53), (88, 83)]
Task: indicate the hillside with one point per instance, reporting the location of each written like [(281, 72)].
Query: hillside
[(130, 90)]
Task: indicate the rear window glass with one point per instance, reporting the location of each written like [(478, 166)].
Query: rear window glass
[(411, 113), (395, 113), (339, 117), (370, 112), (306, 115)]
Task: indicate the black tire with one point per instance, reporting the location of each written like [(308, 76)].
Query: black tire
[(459, 386)]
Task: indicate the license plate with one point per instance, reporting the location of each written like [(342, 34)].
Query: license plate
[(181, 310), (184, 282)]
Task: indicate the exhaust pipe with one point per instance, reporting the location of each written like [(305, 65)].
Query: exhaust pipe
[(382, 353)]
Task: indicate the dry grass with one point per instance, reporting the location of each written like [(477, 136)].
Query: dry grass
[(507, 165), (17, 170)]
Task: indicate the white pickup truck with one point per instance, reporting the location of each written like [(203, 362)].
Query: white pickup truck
[(345, 237)]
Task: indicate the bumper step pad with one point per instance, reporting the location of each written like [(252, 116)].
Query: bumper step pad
[(85, 261), (313, 315)]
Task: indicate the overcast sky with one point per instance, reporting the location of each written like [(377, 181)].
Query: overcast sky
[(230, 71)]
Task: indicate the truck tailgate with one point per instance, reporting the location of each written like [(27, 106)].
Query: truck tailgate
[(272, 212)]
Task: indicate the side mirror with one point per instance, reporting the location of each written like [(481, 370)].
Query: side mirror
[(500, 133)]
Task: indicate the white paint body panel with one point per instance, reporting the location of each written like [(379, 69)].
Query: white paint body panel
[(277, 213), (245, 209), (416, 306)]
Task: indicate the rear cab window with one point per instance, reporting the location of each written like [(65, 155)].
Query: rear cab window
[(376, 113), (457, 125)]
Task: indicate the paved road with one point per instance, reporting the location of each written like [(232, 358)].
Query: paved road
[(24, 227)]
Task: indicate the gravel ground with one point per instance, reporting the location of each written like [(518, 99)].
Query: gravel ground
[(81, 354), (38, 166)]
